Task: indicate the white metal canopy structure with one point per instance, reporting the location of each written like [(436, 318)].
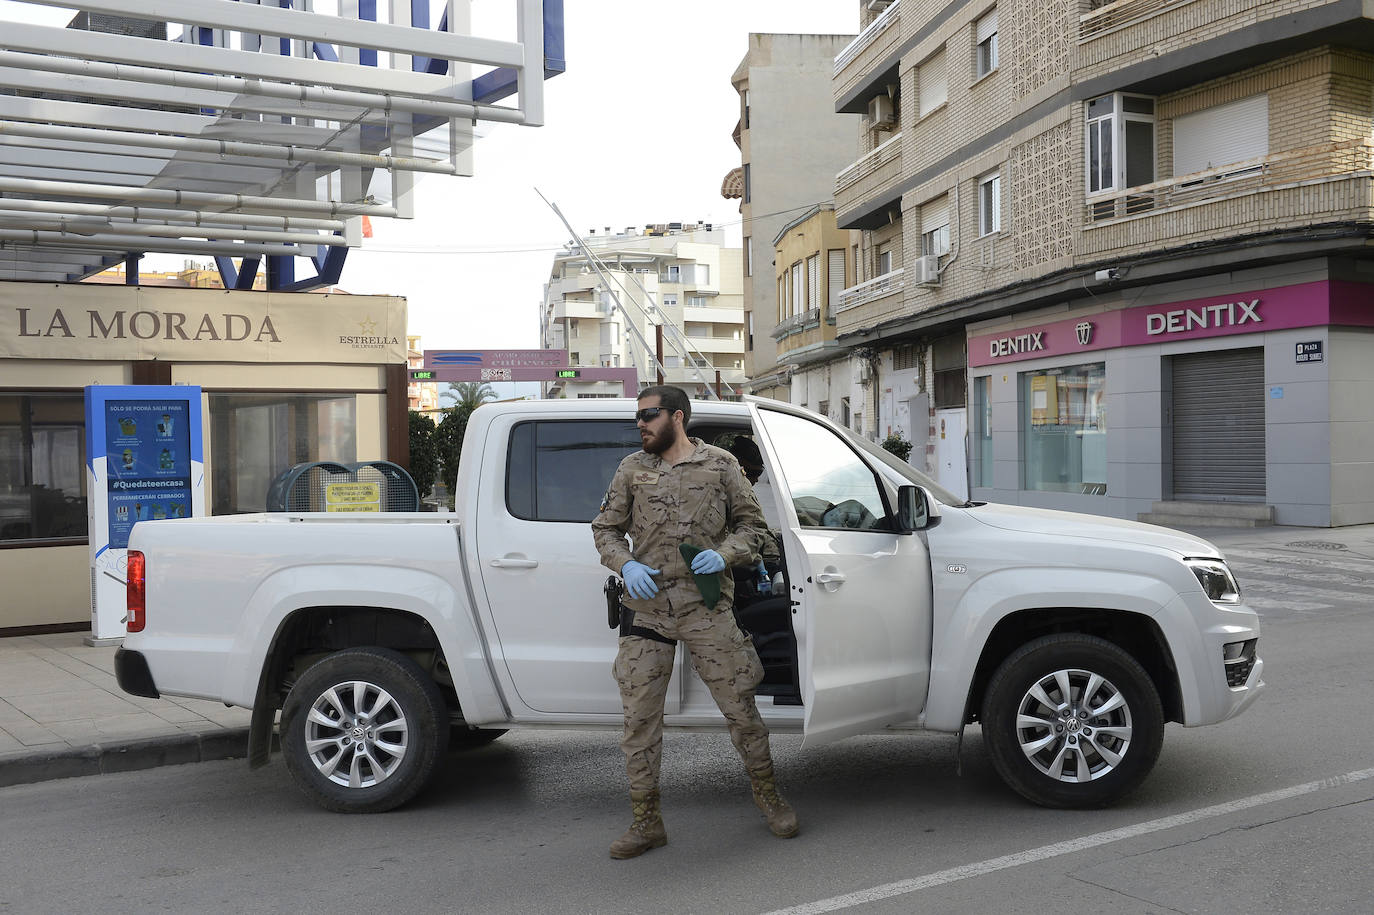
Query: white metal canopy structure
[(252, 129)]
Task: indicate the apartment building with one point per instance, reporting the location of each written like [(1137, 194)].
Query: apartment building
[(812, 265), (1146, 227), (792, 142), (673, 289)]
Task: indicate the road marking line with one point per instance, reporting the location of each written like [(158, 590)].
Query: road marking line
[(978, 869)]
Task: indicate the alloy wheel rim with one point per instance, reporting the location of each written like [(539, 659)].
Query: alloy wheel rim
[(1074, 725), (356, 734)]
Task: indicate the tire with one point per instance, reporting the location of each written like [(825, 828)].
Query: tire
[(462, 737), (370, 765), (1068, 754)]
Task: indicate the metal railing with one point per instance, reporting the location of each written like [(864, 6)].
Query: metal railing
[(876, 288), (1108, 16), (1312, 164), (870, 163), (866, 37), (796, 324)]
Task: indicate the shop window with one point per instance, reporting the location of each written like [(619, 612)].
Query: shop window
[(1064, 429), (982, 431), (256, 436), (42, 467)]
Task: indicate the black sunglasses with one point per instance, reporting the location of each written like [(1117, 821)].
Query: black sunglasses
[(648, 414)]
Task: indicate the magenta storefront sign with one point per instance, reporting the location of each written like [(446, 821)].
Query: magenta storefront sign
[(1302, 305)]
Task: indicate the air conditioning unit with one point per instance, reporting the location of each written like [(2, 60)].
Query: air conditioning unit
[(881, 111), (928, 269)]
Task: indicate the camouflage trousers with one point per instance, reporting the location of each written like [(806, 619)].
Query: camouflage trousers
[(725, 660)]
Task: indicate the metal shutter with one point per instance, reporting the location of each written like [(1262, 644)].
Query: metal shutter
[(1221, 135), (1218, 413), (835, 276), (932, 89)]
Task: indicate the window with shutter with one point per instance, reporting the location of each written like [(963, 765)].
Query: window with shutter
[(1221, 135), (933, 84)]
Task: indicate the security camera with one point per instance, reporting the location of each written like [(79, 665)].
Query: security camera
[(1110, 275)]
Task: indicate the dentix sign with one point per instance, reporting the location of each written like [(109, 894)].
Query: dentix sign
[(88, 321)]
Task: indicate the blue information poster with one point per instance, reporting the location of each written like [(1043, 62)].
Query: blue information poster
[(145, 464), (148, 453)]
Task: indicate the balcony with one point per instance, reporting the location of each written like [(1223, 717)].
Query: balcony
[(1317, 184), (712, 315), (1126, 32), (574, 308), (868, 59), (870, 177), (877, 288), (717, 344), (796, 324), (862, 305)]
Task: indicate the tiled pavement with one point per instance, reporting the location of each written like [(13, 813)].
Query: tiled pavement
[(62, 713)]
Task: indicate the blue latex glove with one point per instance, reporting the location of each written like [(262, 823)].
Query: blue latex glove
[(638, 580), (707, 562), (765, 581)]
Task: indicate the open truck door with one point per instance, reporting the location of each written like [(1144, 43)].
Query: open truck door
[(860, 586)]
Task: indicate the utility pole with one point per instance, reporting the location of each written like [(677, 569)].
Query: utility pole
[(658, 349)]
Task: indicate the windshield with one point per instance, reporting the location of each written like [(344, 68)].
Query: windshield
[(904, 470)]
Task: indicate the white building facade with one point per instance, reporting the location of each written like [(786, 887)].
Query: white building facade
[(666, 299)]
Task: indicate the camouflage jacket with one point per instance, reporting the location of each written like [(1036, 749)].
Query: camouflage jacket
[(705, 500)]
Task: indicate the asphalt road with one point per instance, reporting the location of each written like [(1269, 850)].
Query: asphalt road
[(1272, 812)]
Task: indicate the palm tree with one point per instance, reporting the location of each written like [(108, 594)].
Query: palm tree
[(468, 395)]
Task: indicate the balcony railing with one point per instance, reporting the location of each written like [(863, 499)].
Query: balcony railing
[(1310, 165), (1108, 16), (876, 288), (870, 163), (796, 324), (866, 37)]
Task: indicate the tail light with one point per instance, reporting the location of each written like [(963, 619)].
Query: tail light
[(135, 593)]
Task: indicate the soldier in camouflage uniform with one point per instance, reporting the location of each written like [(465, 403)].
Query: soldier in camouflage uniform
[(680, 490)]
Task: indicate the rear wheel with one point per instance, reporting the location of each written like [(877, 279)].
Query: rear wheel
[(1072, 721), (364, 730)]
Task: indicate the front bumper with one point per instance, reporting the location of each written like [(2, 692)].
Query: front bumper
[(131, 670)]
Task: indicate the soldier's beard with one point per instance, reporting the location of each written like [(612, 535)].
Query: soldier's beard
[(658, 442)]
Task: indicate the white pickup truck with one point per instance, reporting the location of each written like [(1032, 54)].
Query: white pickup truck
[(386, 639)]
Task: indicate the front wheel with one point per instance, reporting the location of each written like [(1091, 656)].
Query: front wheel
[(1072, 720), (364, 730)]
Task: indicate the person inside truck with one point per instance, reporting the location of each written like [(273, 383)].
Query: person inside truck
[(690, 514)]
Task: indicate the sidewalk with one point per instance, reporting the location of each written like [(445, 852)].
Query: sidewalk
[(63, 715)]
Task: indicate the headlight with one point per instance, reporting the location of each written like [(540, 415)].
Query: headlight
[(1216, 579)]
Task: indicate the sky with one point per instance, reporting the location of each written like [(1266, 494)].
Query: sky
[(636, 131)]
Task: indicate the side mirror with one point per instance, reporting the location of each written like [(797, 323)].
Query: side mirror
[(915, 510)]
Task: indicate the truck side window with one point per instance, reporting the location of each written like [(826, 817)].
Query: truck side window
[(558, 470), (831, 486)]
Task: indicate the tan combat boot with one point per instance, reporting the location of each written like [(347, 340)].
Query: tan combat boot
[(646, 831), (782, 819)]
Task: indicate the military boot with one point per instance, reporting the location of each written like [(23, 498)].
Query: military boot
[(646, 831), (782, 819)]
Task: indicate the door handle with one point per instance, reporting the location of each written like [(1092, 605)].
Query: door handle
[(515, 563), (830, 579)]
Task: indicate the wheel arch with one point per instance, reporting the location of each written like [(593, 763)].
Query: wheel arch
[(1135, 633), (311, 632)]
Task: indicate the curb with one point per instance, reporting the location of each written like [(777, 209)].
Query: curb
[(124, 756)]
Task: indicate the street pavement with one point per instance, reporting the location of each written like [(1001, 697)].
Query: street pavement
[(63, 715)]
